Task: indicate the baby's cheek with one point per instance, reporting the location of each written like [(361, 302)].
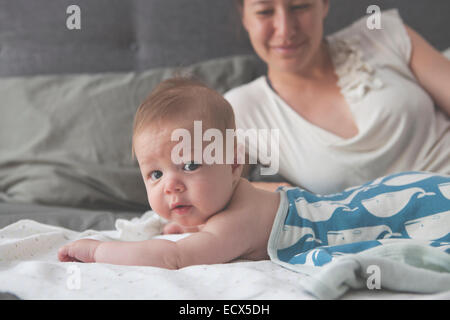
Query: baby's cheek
[(157, 204), (215, 198)]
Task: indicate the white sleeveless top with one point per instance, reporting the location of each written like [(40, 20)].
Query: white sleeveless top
[(399, 127)]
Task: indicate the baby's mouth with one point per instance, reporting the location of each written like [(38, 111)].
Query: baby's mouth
[(181, 209)]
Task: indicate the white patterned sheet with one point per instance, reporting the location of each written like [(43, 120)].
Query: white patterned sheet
[(29, 268)]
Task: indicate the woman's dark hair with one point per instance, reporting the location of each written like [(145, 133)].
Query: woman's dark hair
[(239, 4), (237, 22)]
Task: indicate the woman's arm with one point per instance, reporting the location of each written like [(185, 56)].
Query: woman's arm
[(431, 68)]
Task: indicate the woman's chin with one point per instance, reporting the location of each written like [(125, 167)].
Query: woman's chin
[(287, 65)]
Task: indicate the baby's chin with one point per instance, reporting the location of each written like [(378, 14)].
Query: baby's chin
[(192, 218)]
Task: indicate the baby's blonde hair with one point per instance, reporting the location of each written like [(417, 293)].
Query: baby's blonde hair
[(184, 98)]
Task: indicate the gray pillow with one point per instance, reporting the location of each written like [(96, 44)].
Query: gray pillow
[(65, 140)]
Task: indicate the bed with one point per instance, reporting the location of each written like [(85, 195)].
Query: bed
[(68, 96)]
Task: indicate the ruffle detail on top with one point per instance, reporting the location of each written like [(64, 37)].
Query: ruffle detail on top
[(356, 77)]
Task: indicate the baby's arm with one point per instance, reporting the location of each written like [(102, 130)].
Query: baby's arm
[(156, 252), (235, 232), (199, 248), (224, 238)]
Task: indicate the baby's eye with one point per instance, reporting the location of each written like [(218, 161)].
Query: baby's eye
[(191, 166), (155, 175)]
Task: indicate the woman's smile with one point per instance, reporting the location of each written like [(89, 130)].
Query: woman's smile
[(287, 49)]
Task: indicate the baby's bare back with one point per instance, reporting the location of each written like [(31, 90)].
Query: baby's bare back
[(250, 215)]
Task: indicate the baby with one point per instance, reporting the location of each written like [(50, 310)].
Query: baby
[(234, 219)]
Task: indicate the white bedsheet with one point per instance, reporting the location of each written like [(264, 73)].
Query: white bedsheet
[(29, 268)]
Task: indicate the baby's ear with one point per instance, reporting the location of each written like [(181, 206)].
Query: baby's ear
[(239, 161), (239, 154), (236, 171), (236, 166)]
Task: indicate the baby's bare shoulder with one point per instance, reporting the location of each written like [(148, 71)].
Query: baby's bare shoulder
[(243, 193), (246, 205), (243, 228), (248, 196)]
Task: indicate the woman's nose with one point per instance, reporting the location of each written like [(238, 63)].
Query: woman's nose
[(174, 185), (284, 24)]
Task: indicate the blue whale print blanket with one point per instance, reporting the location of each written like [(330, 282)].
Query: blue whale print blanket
[(311, 231)]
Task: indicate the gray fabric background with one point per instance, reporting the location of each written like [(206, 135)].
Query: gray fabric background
[(65, 140), (124, 35)]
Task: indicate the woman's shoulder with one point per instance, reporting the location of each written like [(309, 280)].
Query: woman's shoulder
[(381, 22), (380, 32)]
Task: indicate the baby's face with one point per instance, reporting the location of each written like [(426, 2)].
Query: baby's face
[(187, 193)]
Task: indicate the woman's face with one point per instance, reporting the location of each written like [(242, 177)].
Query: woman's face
[(286, 34)]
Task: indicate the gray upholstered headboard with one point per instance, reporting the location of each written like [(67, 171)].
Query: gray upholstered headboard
[(124, 35)]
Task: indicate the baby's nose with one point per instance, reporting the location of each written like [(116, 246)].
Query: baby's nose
[(174, 186)]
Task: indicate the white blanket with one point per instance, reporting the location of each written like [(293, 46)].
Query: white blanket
[(29, 268)]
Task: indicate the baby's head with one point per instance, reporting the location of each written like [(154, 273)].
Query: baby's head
[(191, 192)]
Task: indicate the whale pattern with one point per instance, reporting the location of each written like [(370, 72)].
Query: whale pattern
[(408, 206), (433, 227), (391, 203), (445, 189), (294, 234)]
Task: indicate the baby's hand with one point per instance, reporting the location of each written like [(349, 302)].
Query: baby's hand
[(79, 251), (174, 228)]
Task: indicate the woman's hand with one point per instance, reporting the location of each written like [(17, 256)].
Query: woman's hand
[(270, 186), (79, 251)]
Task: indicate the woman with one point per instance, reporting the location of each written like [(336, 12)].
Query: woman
[(350, 107)]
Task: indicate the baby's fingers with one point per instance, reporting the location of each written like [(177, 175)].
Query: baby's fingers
[(172, 228), (64, 256)]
